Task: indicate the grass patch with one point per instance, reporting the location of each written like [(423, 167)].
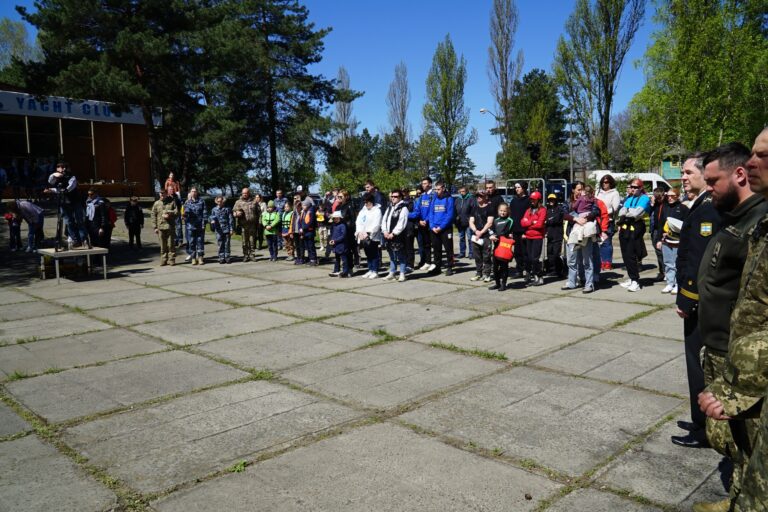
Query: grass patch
[(17, 375), (485, 354), (49, 371), (636, 316), (263, 375), (29, 339), (238, 467)]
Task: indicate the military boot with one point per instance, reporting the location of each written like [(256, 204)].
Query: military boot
[(718, 506)]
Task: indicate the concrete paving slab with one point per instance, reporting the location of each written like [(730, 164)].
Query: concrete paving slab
[(574, 311), (420, 318), (596, 501), (628, 358), (44, 327), (480, 298), (517, 338), (11, 423), (335, 303), (664, 323), (410, 289), (288, 346), (223, 283), (387, 375), (266, 294), (379, 467), (647, 295), (214, 326), (667, 473), (123, 298), (79, 392), (64, 353), (334, 283), (297, 274), (20, 311), (14, 297), (169, 309), (187, 438), (165, 279), (48, 289), (36, 477), (564, 423)]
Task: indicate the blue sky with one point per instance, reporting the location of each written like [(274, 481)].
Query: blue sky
[(370, 38)]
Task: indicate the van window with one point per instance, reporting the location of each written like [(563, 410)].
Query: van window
[(650, 185)]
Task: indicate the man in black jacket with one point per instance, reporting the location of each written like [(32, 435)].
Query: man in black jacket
[(463, 206), (97, 219), (517, 207)]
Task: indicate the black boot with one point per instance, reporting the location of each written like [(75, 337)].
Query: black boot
[(503, 285), (495, 286)]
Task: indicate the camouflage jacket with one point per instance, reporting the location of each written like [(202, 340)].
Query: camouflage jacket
[(159, 211), (250, 209), (745, 382)]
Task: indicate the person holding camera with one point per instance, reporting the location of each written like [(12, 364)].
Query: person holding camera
[(64, 186)]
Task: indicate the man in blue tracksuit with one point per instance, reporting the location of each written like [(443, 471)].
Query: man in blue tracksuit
[(440, 219), (420, 215)]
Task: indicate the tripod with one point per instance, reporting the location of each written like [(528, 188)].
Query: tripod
[(59, 224)]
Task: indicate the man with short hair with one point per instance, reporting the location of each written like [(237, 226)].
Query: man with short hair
[(247, 212), (195, 217), (420, 215), (378, 198), (64, 185), (440, 221), (494, 196), (464, 204), (164, 214), (517, 208), (631, 230), (96, 218)]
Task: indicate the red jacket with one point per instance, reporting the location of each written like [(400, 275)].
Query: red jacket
[(604, 219), (534, 223)]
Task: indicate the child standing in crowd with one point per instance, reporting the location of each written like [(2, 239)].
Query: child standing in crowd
[(554, 224), (307, 228), (222, 223), (270, 219), (286, 221), (134, 221), (14, 226), (298, 243), (337, 243), (502, 226), (534, 220)]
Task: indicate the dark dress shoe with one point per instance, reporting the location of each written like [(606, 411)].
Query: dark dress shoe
[(688, 425), (690, 441)]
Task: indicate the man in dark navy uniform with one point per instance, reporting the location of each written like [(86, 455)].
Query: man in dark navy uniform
[(702, 222)]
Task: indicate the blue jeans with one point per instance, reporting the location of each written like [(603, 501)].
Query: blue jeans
[(74, 220), (465, 235), (272, 245), (670, 269), (396, 258), (224, 241), (583, 255), (34, 229), (606, 247), (309, 245), (195, 240)]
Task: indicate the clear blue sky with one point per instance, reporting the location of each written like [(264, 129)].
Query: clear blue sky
[(370, 38)]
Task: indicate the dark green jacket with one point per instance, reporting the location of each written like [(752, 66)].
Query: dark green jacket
[(720, 271)]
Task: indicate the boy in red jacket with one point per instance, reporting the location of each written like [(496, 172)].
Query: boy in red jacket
[(534, 222)]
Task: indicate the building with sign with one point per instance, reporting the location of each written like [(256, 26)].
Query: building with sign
[(107, 149)]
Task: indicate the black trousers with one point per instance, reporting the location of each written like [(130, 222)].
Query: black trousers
[(134, 234), (630, 254), (693, 346), (554, 259), (500, 271), (533, 256), (425, 235), (441, 240), (520, 253)]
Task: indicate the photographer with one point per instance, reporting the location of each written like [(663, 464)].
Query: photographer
[(64, 185)]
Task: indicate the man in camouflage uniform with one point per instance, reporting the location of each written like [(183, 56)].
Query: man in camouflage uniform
[(739, 394), (247, 213), (164, 214)]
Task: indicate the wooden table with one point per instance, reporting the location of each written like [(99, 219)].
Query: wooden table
[(76, 253)]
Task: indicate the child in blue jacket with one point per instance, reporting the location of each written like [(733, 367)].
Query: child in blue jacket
[(222, 223), (338, 244)]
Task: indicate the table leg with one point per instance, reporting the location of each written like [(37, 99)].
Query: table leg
[(58, 277), (104, 264), (42, 266), (88, 262)]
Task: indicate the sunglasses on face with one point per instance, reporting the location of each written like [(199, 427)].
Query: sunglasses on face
[(633, 187)]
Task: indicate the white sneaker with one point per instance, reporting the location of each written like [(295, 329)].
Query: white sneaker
[(366, 275), (673, 291), (188, 258), (431, 267), (424, 266), (487, 279), (634, 286), (373, 275), (401, 279), (667, 289), (390, 277), (29, 249), (626, 283)]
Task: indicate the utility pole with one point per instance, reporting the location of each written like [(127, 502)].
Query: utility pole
[(570, 143)]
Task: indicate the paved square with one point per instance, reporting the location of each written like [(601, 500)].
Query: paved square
[(410, 473), (572, 310), (563, 423), (288, 346), (14, 297), (516, 338), (596, 501), (10, 422), (74, 393), (664, 323), (411, 289), (170, 309), (480, 298), (403, 319), (329, 304), (220, 284), (266, 294), (187, 438), (23, 310), (120, 298), (184, 275), (48, 289), (51, 326), (391, 374), (36, 477)]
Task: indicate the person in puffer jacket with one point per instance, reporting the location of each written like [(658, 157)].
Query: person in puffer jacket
[(194, 220), (223, 224), (534, 221)]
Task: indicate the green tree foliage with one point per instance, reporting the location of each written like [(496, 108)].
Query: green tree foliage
[(706, 80), (588, 63), (15, 49), (444, 110), (538, 119)]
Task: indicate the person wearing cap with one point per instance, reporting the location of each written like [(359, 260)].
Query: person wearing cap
[(555, 226), (247, 212), (631, 230), (64, 185), (337, 242), (671, 218), (534, 222), (270, 219)]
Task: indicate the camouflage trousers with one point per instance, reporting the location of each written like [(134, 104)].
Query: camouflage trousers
[(288, 239), (754, 486), (249, 239), (167, 246)]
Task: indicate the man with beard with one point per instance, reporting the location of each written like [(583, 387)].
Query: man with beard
[(725, 173)]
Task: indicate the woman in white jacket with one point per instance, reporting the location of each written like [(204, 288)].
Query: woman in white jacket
[(393, 231), (608, 194), (368, 234)]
